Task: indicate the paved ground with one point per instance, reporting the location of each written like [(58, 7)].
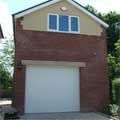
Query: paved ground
[(58, 116), (4, 103), (64, 116)]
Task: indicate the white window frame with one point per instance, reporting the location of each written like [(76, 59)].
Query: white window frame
[(48, 22), (69, 20)]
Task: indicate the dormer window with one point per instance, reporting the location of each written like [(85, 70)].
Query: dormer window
[(63, 23)]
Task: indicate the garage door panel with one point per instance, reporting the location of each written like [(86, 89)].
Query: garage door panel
[(52, 89)]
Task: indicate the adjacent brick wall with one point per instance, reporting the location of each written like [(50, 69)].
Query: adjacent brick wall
[(35, 45)]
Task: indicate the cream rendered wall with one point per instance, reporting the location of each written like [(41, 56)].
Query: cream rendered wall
[(38, 20)]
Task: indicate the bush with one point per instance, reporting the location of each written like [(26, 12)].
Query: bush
[(116, 91), (116, 81), (114, 109), (5, 78)]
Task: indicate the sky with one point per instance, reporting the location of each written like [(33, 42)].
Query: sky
[(8, 7)]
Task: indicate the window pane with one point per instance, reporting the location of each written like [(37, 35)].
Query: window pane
[(74, 24), (53, 22), (63, 23)]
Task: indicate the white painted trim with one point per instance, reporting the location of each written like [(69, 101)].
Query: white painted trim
[(89, 14), (48, 22), (54, 63), (55, 1), (35, 8), (69, 23), (57, 23)]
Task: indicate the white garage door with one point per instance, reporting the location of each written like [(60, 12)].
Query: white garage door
[(51, 89)]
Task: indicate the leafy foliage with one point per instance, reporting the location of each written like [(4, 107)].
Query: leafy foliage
[(114, 68), (6, 64), (91, 9), (114, 109), (5, 78), (114, 64), (7, 56), (111, 65), (116, 90), (113, 33), (116, 81), (117, 67), (94, 11)]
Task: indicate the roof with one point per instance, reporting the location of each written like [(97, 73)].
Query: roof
[(1, 33), (50, 2)]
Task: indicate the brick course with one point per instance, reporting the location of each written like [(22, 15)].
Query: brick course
[(51, 46)]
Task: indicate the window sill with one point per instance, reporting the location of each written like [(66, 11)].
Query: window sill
[(64, 32)]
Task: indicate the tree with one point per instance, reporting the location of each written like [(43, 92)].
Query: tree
[(111, 68), (113, 33), (114, 67), (91, 9), (117, 67), (94, 11), (5, 78), (6, 63), (7, 56)]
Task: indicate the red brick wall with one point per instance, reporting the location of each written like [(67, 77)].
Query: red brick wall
[(35, 45)]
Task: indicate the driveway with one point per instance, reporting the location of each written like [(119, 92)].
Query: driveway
[(65, 116)]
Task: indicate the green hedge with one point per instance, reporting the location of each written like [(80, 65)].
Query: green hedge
[(116, 86)]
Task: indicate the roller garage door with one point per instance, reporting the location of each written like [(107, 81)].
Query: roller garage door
[(51, 89)]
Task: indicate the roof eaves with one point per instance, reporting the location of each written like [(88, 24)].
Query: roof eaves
[(28, 10), (92, 14), (31, 7)]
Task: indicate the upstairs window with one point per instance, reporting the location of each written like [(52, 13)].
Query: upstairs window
[(62, 23), (74, 24), (52, 22)]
